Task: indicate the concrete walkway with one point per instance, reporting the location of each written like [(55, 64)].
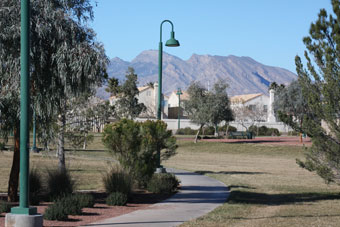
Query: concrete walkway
[(198, 195)]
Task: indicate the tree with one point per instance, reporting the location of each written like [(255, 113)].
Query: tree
[(291, 106), (320, 86), (248, 115), (135, 145), (127, 105), (198, 106), (205, 107), (65, 61), (221, 110)]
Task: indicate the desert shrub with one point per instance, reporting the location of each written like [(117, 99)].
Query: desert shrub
[(55, 211), (5, 207), (85, 200), (210, 130), (116, 199), (136, 144), (71, 204), (35, 184), (163, 183), (264, 131), (186, 131), (273, 132), (59, 183), (117, 180)]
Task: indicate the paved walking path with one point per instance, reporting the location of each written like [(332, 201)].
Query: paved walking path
[(198, 195)]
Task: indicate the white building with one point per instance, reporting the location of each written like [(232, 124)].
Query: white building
[(148, 95)]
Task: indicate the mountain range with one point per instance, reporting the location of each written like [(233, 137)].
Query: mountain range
[(243, 74)]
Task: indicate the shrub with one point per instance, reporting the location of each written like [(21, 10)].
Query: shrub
[(163, 183), (116, 199), (71, 204), (85, 200), (136, 144), (35, 184), (5, 207), (210, 130), (117, 180), (59, 183), (186, 131), (55, 211), (264, 131)]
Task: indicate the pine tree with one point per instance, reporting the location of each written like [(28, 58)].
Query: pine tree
[(320, 84), (126, 104)]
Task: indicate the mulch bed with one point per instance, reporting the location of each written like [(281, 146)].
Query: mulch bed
[(140, 200)]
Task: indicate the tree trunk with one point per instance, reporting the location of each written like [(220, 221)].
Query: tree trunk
[(61, 141), (198, 132), (216, 130), (227, 130), (14, 175), (85, 141)]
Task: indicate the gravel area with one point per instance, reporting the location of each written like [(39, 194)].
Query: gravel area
[(140, 200)]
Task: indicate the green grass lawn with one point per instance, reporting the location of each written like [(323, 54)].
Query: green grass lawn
[(267, 187)]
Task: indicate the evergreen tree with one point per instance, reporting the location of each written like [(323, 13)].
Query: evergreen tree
[(126, 104), (320, 84)]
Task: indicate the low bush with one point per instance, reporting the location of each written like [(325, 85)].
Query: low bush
[(117, 180), (163, 183), (5, 207), (71, 204), (35, 184), (225, 127), (116, 199), (210, 130), (85, 200), (186, 131), (59, 183), (264, 131), (55, 211)]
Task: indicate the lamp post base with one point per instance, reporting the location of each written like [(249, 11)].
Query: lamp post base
[(22, 220)]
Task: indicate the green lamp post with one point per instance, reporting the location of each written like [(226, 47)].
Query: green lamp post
[(179, 93), (172, 42), (34, 147), (24, 109)]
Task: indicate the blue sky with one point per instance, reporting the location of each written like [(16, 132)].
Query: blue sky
[(269, 31)]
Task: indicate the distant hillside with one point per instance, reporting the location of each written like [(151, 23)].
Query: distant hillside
[(243, 74)]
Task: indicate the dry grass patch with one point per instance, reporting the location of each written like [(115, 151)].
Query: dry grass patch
[(267, 187)]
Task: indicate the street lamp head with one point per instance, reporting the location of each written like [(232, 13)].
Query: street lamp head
[(172, 42)]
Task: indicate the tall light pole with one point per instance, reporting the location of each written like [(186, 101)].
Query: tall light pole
[(179, 93), (172, 42), (24, 215)]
